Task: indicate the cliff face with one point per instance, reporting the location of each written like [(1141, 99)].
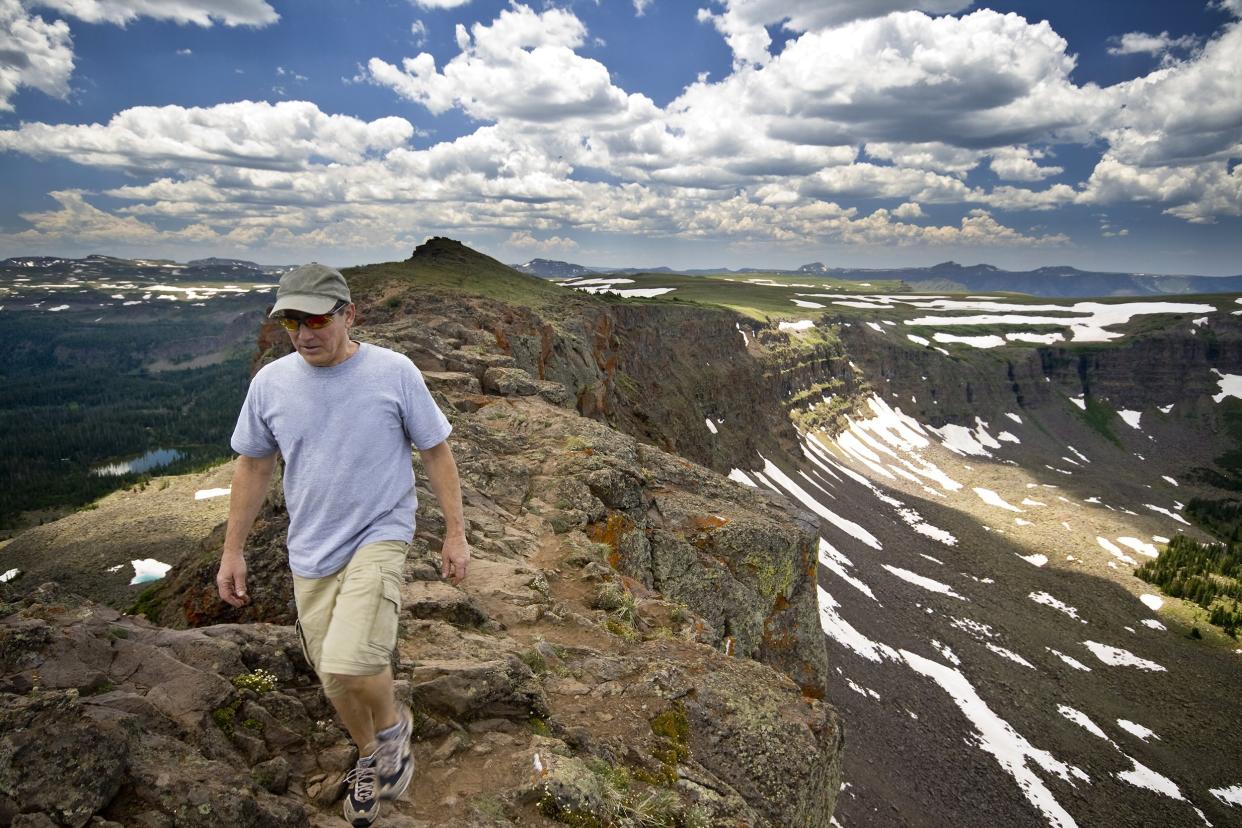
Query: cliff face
[(1134, 373)]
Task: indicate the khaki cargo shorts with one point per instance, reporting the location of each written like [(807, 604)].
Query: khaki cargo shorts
[(347, 621)]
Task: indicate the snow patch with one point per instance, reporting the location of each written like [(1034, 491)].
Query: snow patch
[(997, 737), (921, 581), (1142, 776), (990, 341), (800, 325), (710, 425), (1009, 654), (1153, 602), (9, 575), (1116, 552), (1131, 417), (1230, 386), (844, 633), (1070, 660), (148, 569), (1167, 513), (1136, 729), (1035, 560), (1082, 720), (1139, 546), (993, 499), (1049, 601), (739, 476), (845, 525), (1117, 657), (835, 562)]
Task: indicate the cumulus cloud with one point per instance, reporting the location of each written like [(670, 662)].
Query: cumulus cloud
[(33, 52), (520, 67), (893, 105), (198, 12), (1138, 43), (523, 240), (1019, 164), (439, 4), (909, 210), (37, 53), (744, 22), (245, 134)]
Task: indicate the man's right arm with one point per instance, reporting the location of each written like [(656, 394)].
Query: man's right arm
[(251, 477)]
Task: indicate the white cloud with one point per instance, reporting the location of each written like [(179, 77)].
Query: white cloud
[(1018, 164), (244, 134), (33, 52), (1019, 198), (744, 22), (640, 7), (203, 13), (1188, 112), (39, 54), (522, 66), (523, 240), (200, 12), (439, 4), (1134, 43), (418, 29), (902, 107), (185, 52)]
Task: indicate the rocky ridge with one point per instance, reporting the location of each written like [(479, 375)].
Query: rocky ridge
[(644, 627)]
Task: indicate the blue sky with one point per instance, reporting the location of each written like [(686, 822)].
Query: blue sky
[(714, 133)]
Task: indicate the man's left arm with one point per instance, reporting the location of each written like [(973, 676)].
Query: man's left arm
[(441, 471)]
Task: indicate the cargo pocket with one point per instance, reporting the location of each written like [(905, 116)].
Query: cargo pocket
[(383, 639)]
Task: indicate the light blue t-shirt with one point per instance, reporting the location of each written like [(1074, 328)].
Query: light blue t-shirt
[(345, 433)]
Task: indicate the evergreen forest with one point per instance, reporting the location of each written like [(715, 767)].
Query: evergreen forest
[(1209, 574), (75, 395)]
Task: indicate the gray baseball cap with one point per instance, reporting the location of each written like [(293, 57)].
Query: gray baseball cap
[(312, 288)]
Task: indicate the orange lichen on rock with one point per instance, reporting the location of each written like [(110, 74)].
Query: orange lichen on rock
[(707, 522), (610, 532)]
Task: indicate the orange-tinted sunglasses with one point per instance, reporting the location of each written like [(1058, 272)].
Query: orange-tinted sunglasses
[(315, 323)]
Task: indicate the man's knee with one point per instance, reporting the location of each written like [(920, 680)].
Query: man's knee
[(336, 684)]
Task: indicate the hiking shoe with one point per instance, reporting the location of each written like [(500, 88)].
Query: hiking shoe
[(394, 757), (362, 806)]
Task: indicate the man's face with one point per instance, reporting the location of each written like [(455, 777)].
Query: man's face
[(327, 346)]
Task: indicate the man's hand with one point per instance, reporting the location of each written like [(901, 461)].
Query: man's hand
[(455, 559), (231, 580)]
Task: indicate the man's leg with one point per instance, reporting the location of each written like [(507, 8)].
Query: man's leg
[(356, 659), (365, 705)]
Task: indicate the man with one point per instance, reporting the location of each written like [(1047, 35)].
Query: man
[(343, 415)]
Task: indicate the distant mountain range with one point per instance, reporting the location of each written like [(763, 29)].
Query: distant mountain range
[(1058, 281), (105, 267)]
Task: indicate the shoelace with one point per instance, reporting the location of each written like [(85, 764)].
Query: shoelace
[(362, 777)]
